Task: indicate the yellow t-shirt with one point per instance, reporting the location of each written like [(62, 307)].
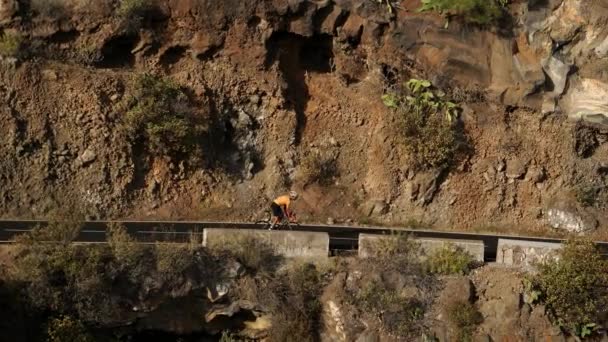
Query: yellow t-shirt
[(283, 201)]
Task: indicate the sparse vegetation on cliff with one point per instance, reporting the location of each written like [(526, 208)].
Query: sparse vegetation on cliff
[(10, 44), (398, 303), (160, 115), (68, 278), (428, 121), (319, 166), (450, 259), (480, 12), (575, 287), (464, 317)]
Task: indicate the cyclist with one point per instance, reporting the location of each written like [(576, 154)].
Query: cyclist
[(280, 207)]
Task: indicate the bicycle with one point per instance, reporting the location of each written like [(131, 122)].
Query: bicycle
[(285, 222)]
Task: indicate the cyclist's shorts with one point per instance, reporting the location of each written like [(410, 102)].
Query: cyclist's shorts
[(276, 210)]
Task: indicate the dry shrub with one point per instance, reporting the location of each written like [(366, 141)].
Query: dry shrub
[(88, 281), (319, 166), (464, 318), (256, 254), (381, 295), (291, 297)]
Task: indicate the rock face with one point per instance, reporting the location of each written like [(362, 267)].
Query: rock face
[(505, 316), (273, 80), (570, 221), (587, 99)]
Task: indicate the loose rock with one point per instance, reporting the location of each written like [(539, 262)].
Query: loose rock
[(87, 157)]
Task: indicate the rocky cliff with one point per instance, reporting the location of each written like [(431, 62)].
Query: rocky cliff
[(280, 83)]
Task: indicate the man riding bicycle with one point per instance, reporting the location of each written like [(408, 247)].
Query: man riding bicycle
[(280, 207)]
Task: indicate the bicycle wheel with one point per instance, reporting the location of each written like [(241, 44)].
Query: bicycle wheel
[(290, 225), (265, 222)]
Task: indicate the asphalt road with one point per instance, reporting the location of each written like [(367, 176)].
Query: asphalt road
[(341, 237)]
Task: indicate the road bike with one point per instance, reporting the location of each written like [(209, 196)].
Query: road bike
[(284, 223)]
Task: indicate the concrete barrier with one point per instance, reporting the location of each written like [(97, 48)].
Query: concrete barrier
[(286, 243), (369, 242), (525, 253)]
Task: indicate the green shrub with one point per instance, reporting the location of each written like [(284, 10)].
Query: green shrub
[(65, 328), (133, 12), (135, 8), (450, 260), (428, 123), (481, 12), (464, 317), (575, 287), (10, 44), (160, 115), (396, 246)]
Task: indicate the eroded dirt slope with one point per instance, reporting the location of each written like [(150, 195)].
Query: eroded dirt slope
[(277, 82)]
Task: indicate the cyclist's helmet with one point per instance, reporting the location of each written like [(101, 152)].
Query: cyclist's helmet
[(293, 195)]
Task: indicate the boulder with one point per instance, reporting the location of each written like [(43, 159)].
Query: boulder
[(516, 169), (566, 21), (457, 289), (375, 207), (557, 71), (87, 157), (536, 174), (587, 99), (571, 220)]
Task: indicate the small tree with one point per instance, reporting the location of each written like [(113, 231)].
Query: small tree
[(575, 287)]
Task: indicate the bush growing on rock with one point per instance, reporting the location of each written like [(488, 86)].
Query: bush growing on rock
[(480, 12), (291, 298), (428, 121), (133, 12), (394, 288), (160, 116), (255, 254), (319, 167), (464, 317), (135, 8), (450, 259), (10, 44), (575, 287), (81, 280)]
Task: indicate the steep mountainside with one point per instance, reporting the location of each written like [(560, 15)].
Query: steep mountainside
[(287, 94)]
